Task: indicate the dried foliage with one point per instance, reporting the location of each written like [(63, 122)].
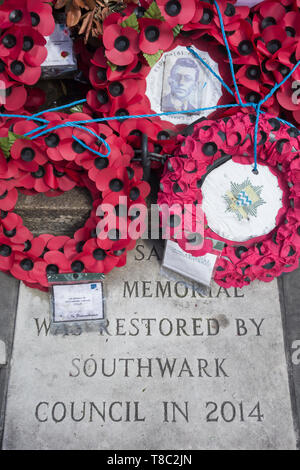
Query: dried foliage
[(87, 16)]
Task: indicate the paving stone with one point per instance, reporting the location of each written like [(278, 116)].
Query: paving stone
[(61, 215), (171, 370)]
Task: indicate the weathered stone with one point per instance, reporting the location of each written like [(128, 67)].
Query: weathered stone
[(61, 215), (225, 385)]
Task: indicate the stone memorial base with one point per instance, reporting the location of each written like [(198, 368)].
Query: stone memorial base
[(170, 369), (61, 215)]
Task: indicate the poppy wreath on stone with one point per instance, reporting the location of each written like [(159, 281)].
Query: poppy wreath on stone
[(264, 42), (55, 163), (24, 24), (208, 148)]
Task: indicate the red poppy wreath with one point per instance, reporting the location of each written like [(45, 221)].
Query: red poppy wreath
[(23, 27), (256, 216), (52, 164), (144, 66)]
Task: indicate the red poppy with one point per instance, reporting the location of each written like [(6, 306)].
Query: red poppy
[(176, 11), (14, 233), (41, 16), (27, 155), (155, 35), (121, 44), (34, 13), (11, 43), (6, 257), (8, 198), (97, 259)]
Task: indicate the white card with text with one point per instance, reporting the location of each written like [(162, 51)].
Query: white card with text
[(198, 268)]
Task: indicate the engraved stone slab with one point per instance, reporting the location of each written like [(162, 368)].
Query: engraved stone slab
[(171, 370)]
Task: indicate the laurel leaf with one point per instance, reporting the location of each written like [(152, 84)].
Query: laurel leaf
[(154, 12), (131, 22), (152, 59)]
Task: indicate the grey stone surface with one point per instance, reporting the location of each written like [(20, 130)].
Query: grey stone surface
[(61, 215), (289, 287), (8, 305), (3, 355), (193, 408)]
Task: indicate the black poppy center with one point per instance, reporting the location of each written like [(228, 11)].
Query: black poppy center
[(116, 185), (134, 194), (27, 43), (136, 133), (152, 33), (122, 43), (17, 67), (101, 74), (77, 267), (52, 269), (15, 16), (253, 72), (268, 21), (2, 66), (9, 41), (163, 135), (137, 68), (207, 16), (101, 163), (245, 47), (10, 233), (40, 173), (130, 172), (240, 250), (26, 264), (122, 112), (77, 147), (116, 89), (230, 10), (284, 70), (35, 19), (27, 154), (253, 97), (79, 246), (173, 8), (52, 140), (293, 132), (27, 246), (58, 173), (291, 32), (209, 149), (99, 254), (102, 96), (5, 251), (273, 46)]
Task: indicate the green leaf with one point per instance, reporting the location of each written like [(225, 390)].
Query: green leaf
[(112, 66), (4, 146), (77, 109), (12, 137), (177, 29), (152, 59), (131, 22), (154, 12), (6, 143)]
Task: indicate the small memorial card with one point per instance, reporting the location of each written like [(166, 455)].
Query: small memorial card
[(199, 269), (78, 302), (61, 59)]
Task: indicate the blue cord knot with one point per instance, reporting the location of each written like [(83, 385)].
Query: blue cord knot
[(44, 129)]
